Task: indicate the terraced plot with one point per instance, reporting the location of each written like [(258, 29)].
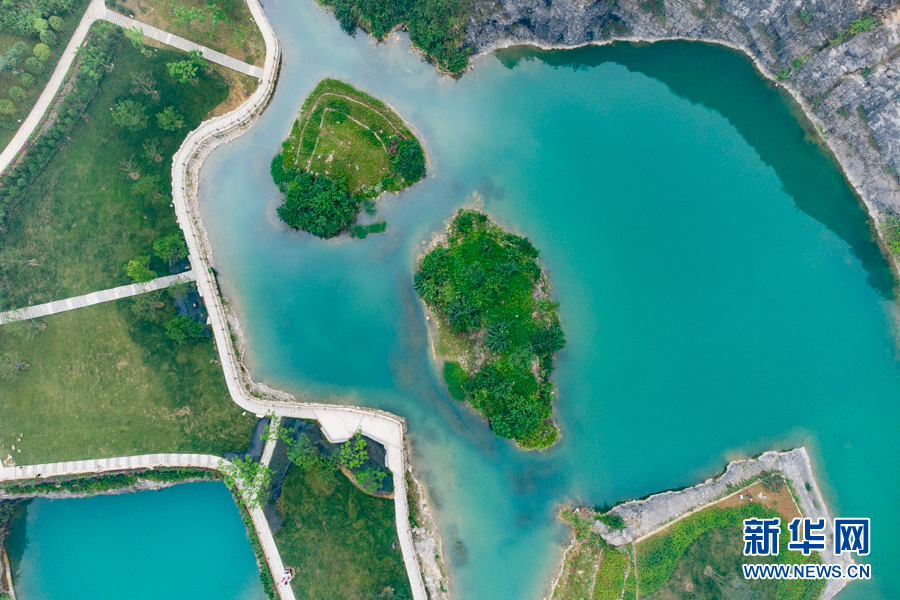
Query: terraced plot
[(345, 148)]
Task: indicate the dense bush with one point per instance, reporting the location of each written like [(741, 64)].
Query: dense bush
[(484, 279), (409, 160), (14, 57), (314, 203), (436, 27), (17, 17)]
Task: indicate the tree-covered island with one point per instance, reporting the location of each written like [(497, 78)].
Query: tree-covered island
[(497, 326), (345, 149)]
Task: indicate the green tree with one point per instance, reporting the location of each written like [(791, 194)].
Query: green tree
[(26, 79), (180, 289), (56, 22), (136, 35), (183, 70), (40, 25), (353, 452), (170, 119), (138, 268), (370, 479), (48, 37), (33, 65), (42, 52), (181, 328), (130, 115), (16, 93), (146, 306), (170, 248), (7, 107), (10, 365)]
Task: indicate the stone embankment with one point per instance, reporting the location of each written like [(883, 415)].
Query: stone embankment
[(849, 90), (644, 518), (338, 423)]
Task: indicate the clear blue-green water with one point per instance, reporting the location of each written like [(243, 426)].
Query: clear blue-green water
[(187, 541), (719, 286)]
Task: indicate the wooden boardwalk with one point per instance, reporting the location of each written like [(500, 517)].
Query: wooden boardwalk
[(178, 42), (124, 291)]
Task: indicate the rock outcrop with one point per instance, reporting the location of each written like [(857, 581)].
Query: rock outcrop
[(847, 80)]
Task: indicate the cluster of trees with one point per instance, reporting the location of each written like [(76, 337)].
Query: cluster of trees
[(435, 26), (29, 18), (185, 71), (409, 161), (483, 279), (27, 62), (352, 455), (95, 56), (314, 203), (169, 248), (132, 115)]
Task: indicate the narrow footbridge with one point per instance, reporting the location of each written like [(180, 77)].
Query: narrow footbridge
[(171, 39), (117, 293)]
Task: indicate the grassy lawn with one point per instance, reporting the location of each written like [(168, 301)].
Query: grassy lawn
[(36, 80), (105, 196), (349, 136), (104, 383), (229, 30), (579, 569), (611, 574), (701, 557), (338, 539)]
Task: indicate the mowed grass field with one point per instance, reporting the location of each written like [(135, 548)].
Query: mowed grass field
[(102, 383), (345, 134), (338, 539), (85, 216)]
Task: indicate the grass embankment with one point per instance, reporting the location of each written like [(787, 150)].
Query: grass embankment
[(223, 25), (437, 28), (345, 148), (697, 557), (105, 196), (24, 68), (488, 293), (103, 382), (341, 541)]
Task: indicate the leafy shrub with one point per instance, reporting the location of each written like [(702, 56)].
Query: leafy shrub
[(130, 115), (353, 452), (314, 203), (371, 479), (456, 378), (181, 328), (138, 268), (170, 119), (42, 52), (13, 58), (56, 22), (170, 248), (48, 38), (409, 160)]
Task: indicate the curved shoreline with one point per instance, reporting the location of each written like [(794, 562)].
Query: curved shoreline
[(647, 517), (338, 422), (853, 174)]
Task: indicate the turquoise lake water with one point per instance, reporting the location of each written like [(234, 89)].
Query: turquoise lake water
[(720, 290), (186, 541)]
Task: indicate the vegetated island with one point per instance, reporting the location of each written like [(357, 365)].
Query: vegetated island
[(345, 149), (690, 542), (496, 325)]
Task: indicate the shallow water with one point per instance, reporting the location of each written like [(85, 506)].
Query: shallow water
[(719, 288), (186, 541)]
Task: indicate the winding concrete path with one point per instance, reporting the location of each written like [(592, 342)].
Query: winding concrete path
[(96, 10), (338, 422), (178, 42), (116, 293), (149, 461)]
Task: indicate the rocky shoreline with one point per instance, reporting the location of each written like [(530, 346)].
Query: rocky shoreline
[(644, 518), (848, 90)]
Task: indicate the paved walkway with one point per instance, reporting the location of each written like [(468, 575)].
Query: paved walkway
[(51, 308), (97, 10), (173, 40)]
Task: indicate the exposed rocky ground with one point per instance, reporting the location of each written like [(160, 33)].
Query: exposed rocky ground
[(848, 84)]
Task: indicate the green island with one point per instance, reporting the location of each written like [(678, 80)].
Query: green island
[(345, 149), (497, 326), (698, 556)]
